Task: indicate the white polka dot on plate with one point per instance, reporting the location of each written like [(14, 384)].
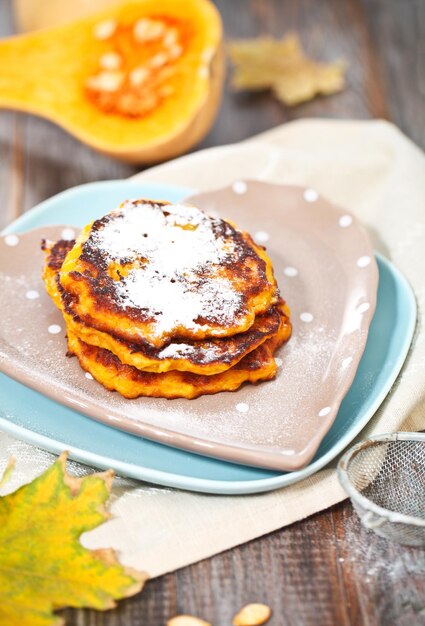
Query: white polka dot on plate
[(345, 221), (306, 317), (311, 195), (363, 261), (290, 271), (32, 294), (346, 362), (11, 240), (325, 411), (365, 306), (261, 236), (88, 375), (54, 329), (68, 234), (239, 186), (278, 362), (242, 407)]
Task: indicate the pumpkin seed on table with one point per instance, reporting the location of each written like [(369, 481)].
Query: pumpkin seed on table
[(252, 615), (187, 620)]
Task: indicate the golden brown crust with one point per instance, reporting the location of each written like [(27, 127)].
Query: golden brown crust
[(110, 286), (130, 382), (93, 284), (209, 356)]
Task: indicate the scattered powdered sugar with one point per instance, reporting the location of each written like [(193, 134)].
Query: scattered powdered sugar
[(178, 251)]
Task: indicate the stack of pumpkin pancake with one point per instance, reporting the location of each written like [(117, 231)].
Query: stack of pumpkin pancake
[(166, 301)]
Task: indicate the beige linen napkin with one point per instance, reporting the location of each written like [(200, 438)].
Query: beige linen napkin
[(367, 167)]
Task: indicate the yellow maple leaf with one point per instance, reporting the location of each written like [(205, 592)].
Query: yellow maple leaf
[(43, 565), (281, 65)]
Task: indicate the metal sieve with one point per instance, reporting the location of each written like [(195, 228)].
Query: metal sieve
[(385, 479)]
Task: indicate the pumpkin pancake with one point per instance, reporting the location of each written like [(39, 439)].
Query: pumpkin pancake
[(151, 271), (207, 357), (131, 382)]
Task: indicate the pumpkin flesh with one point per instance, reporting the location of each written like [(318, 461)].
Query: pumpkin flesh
[(132, 81)]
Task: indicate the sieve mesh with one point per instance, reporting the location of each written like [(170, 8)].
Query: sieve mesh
[(385, 479)]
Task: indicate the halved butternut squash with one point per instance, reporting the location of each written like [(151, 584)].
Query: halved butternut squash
[(140, 81)]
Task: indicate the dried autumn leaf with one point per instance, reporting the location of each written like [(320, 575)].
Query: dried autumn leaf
[(43, 566), (281, 65)]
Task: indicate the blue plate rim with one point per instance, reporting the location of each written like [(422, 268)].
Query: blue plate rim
[(18, 225)]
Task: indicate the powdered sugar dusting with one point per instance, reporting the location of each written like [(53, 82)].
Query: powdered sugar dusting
[(175, 253), (174, 304), (186, 350)]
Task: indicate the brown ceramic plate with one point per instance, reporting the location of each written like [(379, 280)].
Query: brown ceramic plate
[(327, 273)]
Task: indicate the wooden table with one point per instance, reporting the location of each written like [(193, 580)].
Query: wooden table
[(325, 570)]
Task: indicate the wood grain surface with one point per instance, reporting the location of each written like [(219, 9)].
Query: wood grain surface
[(326, 570)]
